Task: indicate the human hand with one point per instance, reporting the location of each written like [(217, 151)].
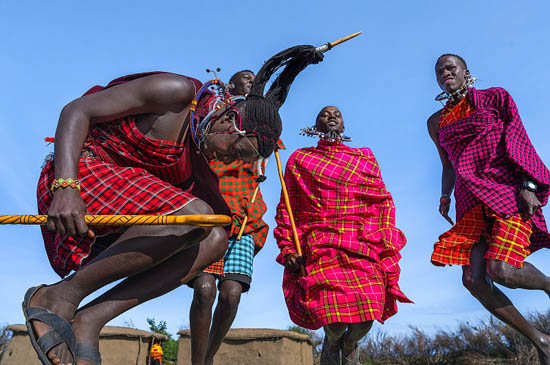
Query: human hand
[(294, 262), (444, 205), (528, 203), (66, 213)]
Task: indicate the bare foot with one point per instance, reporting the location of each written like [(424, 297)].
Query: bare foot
[(49, 298)]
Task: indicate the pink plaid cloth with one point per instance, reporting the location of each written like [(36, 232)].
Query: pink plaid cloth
[(346, 225), (491, 154)]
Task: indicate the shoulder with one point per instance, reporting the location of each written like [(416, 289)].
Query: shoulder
[(493, 91), (433, 122), (164, 84), (298, 152), (297, 157), (364, 151), (497, 93), (495, 96)]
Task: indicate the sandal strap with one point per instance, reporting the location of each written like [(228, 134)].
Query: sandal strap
[(58, 324), (49, 341), (87, 352)]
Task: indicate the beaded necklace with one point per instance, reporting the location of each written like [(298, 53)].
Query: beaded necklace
[(333, 136)]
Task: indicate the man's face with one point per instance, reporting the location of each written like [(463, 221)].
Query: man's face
[(329, 119), (242, 83), (224, 144), (451, 74)]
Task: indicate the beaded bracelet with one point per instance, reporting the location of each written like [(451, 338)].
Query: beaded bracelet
[(63, 183), (445, 198)]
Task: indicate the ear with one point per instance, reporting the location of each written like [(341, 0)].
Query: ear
[(467, 72)]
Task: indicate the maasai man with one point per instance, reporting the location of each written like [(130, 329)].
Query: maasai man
[(238, 181), (500, 184), (141, 145), (346, 226)]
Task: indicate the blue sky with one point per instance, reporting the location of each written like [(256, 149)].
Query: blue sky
[(383, 82)]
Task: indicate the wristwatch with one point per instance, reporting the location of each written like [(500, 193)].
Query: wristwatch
[(530, 186)]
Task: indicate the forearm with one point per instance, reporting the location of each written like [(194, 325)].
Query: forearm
[(71, 132), (448, 180)]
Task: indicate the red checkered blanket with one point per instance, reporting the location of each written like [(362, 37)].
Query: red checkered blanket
[(124, 172)]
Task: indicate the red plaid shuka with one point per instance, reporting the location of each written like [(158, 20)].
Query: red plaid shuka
[(508, 239), (491, 154), (346, 226), (237, 185), (124, 172)]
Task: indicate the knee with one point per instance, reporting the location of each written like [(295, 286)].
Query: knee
[(334, 331), (501, 272), (205, 293), (365, 326), (474, 283), (230, 295), (218, 242), (197, 206)]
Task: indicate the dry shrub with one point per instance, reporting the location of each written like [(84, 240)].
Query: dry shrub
[(488, 342)]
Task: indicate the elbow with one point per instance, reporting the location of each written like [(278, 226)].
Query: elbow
[(72, 111), (448, 169)]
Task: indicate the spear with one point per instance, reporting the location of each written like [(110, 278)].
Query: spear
[(327, 46), (199, 220)]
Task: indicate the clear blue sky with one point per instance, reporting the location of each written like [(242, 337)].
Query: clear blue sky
[(383, 82)]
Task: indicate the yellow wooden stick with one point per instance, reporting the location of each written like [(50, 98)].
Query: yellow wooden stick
[(199, 220), (245, 220), (327, 46), (289, 210)]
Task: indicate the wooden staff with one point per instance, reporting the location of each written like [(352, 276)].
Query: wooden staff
[(245, 220), (289, 211), (327, 46), (199, 220)]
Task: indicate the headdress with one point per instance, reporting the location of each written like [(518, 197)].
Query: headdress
[(261, 113)]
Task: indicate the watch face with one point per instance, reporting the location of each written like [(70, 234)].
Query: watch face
[(531, 186)]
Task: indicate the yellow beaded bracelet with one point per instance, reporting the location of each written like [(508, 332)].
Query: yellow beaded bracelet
[(64, 183)]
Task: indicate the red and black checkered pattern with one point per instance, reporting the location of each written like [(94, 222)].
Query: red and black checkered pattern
[(491, 154), (131, 174)]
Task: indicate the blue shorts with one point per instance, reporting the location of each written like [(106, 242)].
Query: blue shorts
[(238, 262)]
